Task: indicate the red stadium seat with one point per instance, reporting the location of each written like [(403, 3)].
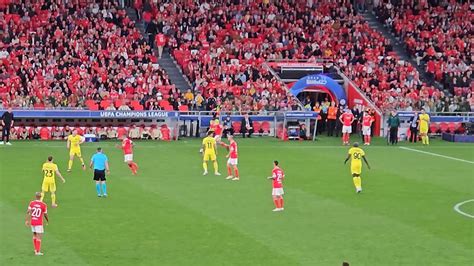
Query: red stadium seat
[(256, 127), (236, 126), (168, 108), (266, 127), (444, 127), (183, 108), (434, 128), (453, 127), (104, 104)]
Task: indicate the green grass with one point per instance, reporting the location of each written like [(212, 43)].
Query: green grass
[(172, 215)]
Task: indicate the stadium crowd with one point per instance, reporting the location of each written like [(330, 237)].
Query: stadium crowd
[(72, 55), (439, 37)]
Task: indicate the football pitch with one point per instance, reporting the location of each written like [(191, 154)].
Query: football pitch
[(172, 215)]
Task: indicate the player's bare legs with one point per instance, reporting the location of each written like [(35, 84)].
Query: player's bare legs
[(82, 162)]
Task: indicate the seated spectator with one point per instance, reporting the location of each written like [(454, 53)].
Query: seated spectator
[(134, 132), (57, 133), (155, 133), (112, 133), (146, 133), (101, 133)]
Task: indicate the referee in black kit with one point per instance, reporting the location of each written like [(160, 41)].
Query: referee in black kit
[(7, 124)]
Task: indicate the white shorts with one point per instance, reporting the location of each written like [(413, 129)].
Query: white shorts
[(217, 138), (232, 161), (128, 157), (277, 191), (366, 130), (37, 229), (347, 129)]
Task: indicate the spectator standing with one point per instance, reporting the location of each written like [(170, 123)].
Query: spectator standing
[(7, 124), (414, 128), (393, 123), (246, 126), (331, 120), (160, 41), (227, 124)]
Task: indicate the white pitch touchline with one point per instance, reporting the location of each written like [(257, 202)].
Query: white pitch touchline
[(458, 206), (438, 155)]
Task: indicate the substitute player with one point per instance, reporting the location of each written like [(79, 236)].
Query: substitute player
[(347, 118), (367, 121), (277, 192), (424, 125), (37, 209), (356, 155), (209, 149), (127, 148), (232, 160), (73, 144), (50, 170)]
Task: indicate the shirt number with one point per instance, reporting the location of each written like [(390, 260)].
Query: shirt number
[(36, 212), (357, 155), (48, 173)]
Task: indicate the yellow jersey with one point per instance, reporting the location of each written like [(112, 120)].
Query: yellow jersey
[(356, 154), (74, 141), (49, 172), (424, 120), (209, 144)]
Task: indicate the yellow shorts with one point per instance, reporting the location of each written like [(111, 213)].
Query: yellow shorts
[(75, 152), (209, 156), (423, 130), (356, 168), (48, 186)]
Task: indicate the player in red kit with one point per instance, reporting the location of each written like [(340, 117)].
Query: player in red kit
[(277, 193), (34, 218), (346, 119), (232, 160), (127, 148), (367, 121)]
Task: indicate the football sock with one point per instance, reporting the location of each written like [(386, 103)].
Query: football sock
[(82, 160), (34, 244), (368, 139), (216, 167), (53, 198), (38, 245), (104, 188), (229, 171), (135, 166), (427, 140), (357, 182), (69, 165), (131, 167), (97, 188), (236, 172), (275, 201), (281, 202), (42, 195), (204, 166)]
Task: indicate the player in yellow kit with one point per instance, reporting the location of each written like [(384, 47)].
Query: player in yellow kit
[(424, 125), (73, 144), (50, 170), (356, 155), (209, 149)]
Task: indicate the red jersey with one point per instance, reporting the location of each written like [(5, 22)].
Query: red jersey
[(367, 120), (37, 209), (218, 129), (277, 175), (127, 146), (347, 119), (233, 153)]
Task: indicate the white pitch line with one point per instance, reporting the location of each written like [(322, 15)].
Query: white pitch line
[(438, 155), (458, 210)]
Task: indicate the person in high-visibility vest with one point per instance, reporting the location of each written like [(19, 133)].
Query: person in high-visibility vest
[(331, 119), (317, 108)]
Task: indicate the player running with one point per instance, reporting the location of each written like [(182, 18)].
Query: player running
[(367, 121), (346, 119), (232, 159), (127, 148), (34, 218), (356, 155), (73, 144), (424, 126), (50, 170), (209, 149), (277, 193)]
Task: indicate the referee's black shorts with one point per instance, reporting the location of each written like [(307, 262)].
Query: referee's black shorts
[(99, 175)]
